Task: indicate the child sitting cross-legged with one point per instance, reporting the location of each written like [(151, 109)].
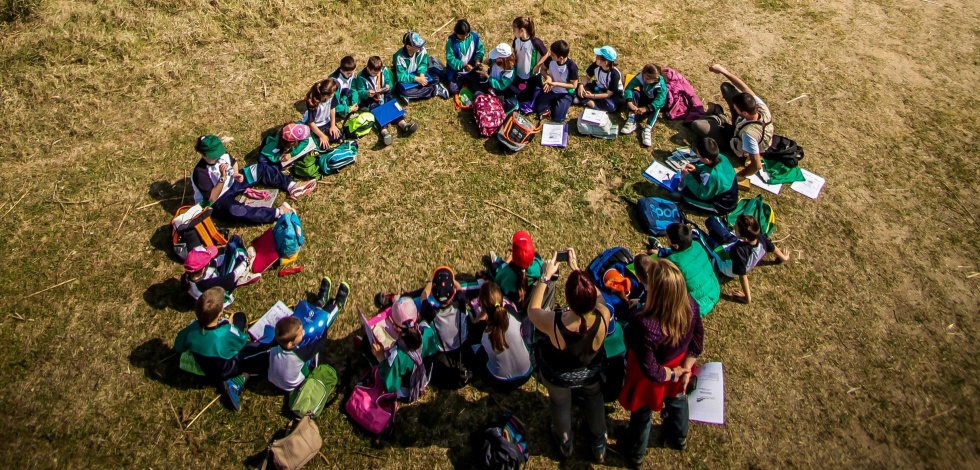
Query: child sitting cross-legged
[(297, 353), (347, 99), (742, 250), (204, 268), (221, 347), (710, 185), (558, 90), (415, 341), (693, 262), (411, 64), (604, 92)]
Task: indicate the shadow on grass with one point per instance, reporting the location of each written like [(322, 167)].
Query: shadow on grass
[(172, 195), (161, 364), (168, 294)]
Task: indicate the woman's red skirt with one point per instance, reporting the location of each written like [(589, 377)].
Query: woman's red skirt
[(639, 391)]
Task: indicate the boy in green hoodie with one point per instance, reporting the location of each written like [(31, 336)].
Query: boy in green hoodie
[(710, 185), (411, 64), (464, 50), (347, 98), (373, 86)]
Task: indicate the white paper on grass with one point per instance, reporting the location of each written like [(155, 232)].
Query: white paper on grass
[(552, 134), (707, 403), (811, 187), (659, 172), (267, 324), (594, 117), (761, 180)]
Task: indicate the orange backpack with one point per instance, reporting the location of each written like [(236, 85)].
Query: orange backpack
[(188, 233)]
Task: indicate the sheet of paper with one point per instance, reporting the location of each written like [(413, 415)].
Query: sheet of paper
[(707, 403), (595, 117), (264, 330), (267, 202), (553, 134), (368, 331), (658, 172), (811, 187), (760, 180)]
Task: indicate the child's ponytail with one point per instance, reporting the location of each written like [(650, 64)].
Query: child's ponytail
[(525, 23)]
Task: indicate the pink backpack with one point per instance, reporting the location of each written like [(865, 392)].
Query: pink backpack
[(370, 406), (489, 113)]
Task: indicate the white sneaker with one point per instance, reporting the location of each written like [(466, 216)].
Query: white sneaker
[(442, 92), (248, 278), (645, 138), (285, 208), (629, 127)]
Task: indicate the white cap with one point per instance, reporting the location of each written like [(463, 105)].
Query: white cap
[(501, 51)]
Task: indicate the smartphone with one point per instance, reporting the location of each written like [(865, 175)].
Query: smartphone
[(562, 257), (692, 385)]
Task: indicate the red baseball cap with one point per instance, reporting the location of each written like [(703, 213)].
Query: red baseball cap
[(522, 249)]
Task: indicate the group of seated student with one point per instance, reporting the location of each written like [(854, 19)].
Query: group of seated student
[(226, 353), (505, 327)]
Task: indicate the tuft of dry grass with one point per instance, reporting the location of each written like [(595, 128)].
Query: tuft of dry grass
[(860, 352)]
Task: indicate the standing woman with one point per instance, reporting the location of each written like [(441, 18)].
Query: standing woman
[(567, 354), (664, 339)]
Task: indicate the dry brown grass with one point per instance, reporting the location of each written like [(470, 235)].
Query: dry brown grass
[(861, 352)]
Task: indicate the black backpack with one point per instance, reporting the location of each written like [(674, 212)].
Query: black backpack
[(502, 445), (785, 151)]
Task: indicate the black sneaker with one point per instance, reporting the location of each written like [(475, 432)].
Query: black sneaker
[(343, 291), (410, 128), (653, 244), (599, 453), (566, 448), (323, 296)]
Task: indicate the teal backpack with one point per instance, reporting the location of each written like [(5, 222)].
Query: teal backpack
[(288, 235), (310, 398), (338, 157), (359, 125), (757, 208), (306, 168)]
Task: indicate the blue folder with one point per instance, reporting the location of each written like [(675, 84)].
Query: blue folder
[(388, 112)]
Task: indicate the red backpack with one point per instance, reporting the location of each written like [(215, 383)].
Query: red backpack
[(489, 113)]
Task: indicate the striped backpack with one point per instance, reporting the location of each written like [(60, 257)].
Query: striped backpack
[(337, 158), (489, 113)]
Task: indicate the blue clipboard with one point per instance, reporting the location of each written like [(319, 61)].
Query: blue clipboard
[(388, 112), (409, 86)]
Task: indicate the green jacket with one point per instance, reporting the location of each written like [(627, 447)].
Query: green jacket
[(506, 278), (658, 91), (504, 80), (270, 148), (364, 82), (454, 61), (699, 275), (223, 341), (345, 98), (398, 366), (707, 182), (407, 68)]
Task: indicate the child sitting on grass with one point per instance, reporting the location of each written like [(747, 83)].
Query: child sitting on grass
[(414, 342), (647, 101), (710, 185), (464, 50), (500, 78), (411, 64), (221, 348), (217, 182), (522, 268), (204, 269), (604, 92), (561, 80), (693, 262), (347, 99), (295, 355), (742, 250), (373, 87), (321, 112)]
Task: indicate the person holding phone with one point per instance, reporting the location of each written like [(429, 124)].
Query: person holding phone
[(663, 341)]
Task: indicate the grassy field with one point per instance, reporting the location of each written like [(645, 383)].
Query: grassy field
[(860, 352)]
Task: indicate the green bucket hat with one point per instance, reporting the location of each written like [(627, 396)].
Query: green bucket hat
[(211, 147)]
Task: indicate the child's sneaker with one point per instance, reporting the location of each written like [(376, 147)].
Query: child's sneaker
[(493, 257), (565, 448), (285, 208), (232, 391), (599, 452), (248, 278), (323, 295), (302, 189), (646, 139), (628, 128), (441, 91), (410, 128), (383, 300), (576, 100), (343, 291), (386, 137)]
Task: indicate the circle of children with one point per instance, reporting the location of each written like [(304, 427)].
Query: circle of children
[(632, 328)]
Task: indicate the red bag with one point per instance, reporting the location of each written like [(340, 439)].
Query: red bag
[(370, 406), (489, 113)]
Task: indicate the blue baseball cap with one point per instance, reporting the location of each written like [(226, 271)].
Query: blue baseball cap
[(413, 39), (606, 52)]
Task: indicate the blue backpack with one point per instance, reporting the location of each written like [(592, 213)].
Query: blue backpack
[(288, 235), (657, 214), (337, 158), (617, 258)]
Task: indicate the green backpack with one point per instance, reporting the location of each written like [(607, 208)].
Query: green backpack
[(310, 398), (359, 125), (306, 168), (757, 208)]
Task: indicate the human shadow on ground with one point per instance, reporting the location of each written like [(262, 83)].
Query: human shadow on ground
[(168, 294), (161, 363)]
